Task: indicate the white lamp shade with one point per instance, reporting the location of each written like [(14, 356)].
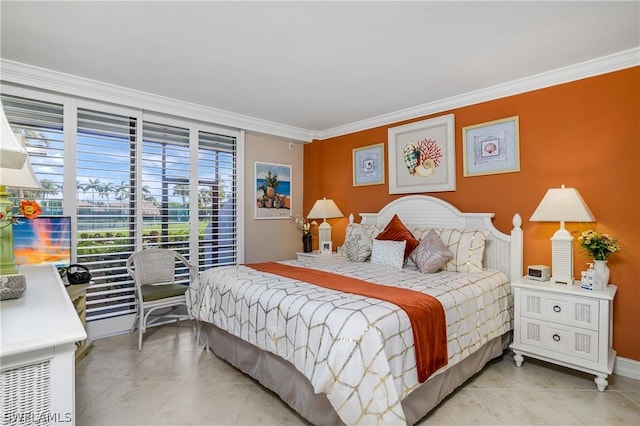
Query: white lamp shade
[(21, 177), (13, 154), (324, 209), (562, 205)]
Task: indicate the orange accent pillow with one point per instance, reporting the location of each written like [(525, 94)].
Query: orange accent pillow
[(396, 231)]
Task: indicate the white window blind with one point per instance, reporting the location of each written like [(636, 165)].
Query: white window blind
[(165, 183), (217, 200), (106, 212)]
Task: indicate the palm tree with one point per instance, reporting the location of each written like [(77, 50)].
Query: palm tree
[(122, 191), (48, 188), (181, 190), (94, 185), (105, 190)]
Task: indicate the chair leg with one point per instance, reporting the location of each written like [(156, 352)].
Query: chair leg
[(141, 330)]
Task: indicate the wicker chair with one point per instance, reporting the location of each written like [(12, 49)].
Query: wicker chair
[(154, 274)]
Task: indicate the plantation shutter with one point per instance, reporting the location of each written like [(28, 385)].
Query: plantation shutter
[(217, 200), (106, 181), (41, 124), (165, 186)]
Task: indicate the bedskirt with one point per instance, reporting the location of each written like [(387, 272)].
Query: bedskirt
[(294, 388)]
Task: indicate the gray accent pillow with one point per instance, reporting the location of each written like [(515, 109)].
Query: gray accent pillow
[(357, 244), (431, 254)]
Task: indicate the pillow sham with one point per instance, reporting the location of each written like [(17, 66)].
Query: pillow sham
[(396, 231), (357, 244), (431, 254), (467, 247), (388, 253)]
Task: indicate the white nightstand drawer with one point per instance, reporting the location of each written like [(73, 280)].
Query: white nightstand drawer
[(567, 310), (570, 341)]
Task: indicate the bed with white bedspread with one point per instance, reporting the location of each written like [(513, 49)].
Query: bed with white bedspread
[(339, 357)]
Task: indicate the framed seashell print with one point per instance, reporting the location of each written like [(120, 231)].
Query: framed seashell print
[(492, 147), (422, 156), (368, 165)]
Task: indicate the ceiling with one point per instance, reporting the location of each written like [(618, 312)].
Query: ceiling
[(313, 65)]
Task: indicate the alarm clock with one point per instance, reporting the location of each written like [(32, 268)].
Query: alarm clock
[(538, 272)]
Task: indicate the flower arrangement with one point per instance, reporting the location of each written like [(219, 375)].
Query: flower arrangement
[(600, 246), (30, 209), (304, 224)]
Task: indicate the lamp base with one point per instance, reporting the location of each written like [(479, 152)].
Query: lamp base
[(562, 257), (12, 286), (324, 232)]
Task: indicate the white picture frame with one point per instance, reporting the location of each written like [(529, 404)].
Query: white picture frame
[(422, 156), (272, 202), (368, 165), (491, 148), (326, 248)]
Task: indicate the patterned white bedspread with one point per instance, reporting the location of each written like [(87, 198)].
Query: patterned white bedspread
[(357, 350)]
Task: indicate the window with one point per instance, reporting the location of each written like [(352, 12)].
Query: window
[(41, 125), (105, 174), (217, 200), (137, 183), (165, 187)]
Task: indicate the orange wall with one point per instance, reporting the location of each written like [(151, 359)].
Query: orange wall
[(584, 134)]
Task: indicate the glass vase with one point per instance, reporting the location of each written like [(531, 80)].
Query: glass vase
[(600, 266)]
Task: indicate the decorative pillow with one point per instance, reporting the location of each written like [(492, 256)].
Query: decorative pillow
[(419, 232), (467, 248), (388, 253), (357, 244), (431, 254), (396, 231)]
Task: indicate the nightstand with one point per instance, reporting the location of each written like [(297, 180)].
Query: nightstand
[(564, 325), (313, 255)]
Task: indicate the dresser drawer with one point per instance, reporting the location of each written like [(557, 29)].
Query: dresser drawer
[(558, 308), (570, 341)]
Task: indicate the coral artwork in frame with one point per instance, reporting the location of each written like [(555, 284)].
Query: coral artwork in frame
[(422, 156)]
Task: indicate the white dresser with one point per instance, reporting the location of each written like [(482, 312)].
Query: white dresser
[(565, 325), (38, 339)]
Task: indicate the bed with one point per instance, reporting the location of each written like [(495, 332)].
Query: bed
[(349, 358)]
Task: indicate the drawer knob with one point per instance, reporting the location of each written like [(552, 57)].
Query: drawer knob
[(556, 337), (556, 308)]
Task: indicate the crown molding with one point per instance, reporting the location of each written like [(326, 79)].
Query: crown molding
[(615, 62), (54, 81), (41, 78)]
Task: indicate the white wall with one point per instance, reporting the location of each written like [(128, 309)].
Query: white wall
[(271, 239)]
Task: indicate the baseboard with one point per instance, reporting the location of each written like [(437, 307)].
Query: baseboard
[(627, 367)]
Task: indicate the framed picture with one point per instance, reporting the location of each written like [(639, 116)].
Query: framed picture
[(368, 165), (491, 147), (422, 156), (272, 190), (325, 247)]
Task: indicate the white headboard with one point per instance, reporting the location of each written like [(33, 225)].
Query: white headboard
[(503, 252)]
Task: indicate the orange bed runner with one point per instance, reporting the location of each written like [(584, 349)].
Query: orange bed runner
[(425, 312)]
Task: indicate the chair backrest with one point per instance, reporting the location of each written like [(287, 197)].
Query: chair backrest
[(155, 266)]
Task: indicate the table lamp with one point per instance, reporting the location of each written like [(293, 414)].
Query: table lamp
[(324, 209), (16, 172), (562, 205)]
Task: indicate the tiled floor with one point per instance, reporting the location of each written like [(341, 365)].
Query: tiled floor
[(173, 381)]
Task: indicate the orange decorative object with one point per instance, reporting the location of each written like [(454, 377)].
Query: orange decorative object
[(30, 209)]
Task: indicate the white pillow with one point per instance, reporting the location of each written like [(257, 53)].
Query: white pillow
[(357, 244), (467, 248), (388, 253)]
